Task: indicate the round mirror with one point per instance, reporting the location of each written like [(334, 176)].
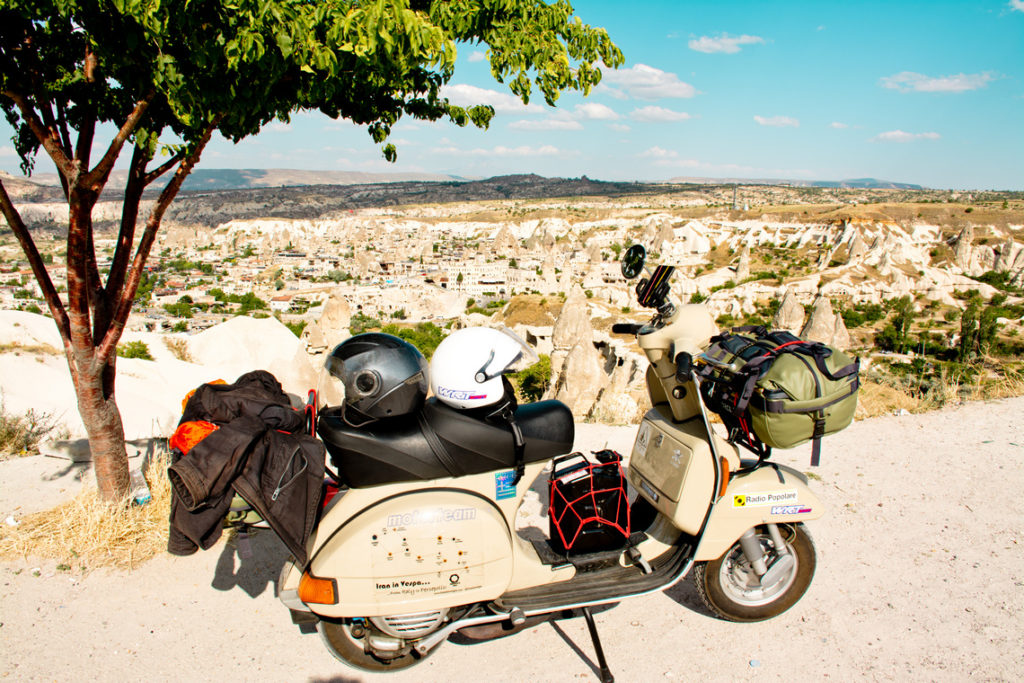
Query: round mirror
[(633, 261)]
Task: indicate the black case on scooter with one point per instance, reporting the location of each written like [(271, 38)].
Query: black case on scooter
[(400, 449), (589, 508)]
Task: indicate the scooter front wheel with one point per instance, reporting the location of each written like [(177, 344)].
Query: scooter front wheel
[(354, 647), (731, 589)]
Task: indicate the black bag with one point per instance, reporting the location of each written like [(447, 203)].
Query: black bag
[(589, 509)]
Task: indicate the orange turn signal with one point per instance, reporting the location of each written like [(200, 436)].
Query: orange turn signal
[(725, 476), (317, 591)]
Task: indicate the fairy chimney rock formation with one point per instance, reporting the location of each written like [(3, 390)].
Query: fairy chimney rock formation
[(315, 340), (821, 325), (840, 335), (335, 319), (577, 371), (743, 268), (790, 315), (962, 249), (857, 247), (581, 380)]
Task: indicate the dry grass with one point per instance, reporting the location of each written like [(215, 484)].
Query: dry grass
[(43, 349), (86, 532), (21, 434), (884, 394), (178, 348)]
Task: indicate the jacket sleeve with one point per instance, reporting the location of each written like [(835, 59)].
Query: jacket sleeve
[(207, 471)]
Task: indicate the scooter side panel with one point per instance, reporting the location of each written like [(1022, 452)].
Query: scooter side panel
[(672, 467), (417, 551), (758, 497)]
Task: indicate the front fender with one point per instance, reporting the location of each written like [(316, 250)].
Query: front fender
[(773, 493)]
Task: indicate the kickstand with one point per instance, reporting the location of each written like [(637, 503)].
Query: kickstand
[(606, 674)]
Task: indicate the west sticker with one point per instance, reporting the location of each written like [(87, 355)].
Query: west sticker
[(789, 509), (758, 499)]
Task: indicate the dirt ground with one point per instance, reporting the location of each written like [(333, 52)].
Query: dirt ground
[(920, 576)]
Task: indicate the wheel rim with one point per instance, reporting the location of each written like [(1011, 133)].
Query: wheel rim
[(742, 585)]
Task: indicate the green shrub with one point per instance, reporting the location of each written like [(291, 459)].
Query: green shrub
[(134, 349), (532, 382)]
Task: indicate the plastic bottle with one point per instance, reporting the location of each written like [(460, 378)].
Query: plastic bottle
[(139, 488)]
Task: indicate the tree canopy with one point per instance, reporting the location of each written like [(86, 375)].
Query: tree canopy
[(168, 74)]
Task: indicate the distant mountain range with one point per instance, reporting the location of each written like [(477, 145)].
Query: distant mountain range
[(862, 183), (215, 179)]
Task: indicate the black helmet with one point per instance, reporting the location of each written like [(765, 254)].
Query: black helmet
[(382, 375)]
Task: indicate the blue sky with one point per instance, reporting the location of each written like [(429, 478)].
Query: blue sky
[(920, 92)]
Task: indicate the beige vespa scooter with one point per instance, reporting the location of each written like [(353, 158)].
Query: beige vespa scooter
[(399, 566)]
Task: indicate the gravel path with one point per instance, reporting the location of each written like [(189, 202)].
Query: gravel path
[(920, 575)]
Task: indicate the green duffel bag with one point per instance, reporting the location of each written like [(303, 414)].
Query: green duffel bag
[(776, 390)]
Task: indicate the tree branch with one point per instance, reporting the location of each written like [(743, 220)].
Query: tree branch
[(20, 230), (124, 305), (87, 129), (49, 143), (162, 168), (60, 133), (97, 177), (129, 215)]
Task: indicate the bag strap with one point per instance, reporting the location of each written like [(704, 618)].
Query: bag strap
[(518, 442), (437, 447)]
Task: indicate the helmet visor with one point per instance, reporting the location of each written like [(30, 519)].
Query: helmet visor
[(330, 388), (511, 357)]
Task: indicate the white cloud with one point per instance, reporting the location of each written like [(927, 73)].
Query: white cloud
[(902, 136), (6, 151), (501, 151), (659, 153), (546, 124), (469, 95), (837, 124), (777, 121), (278, 127), (1017, 5), (593, 110), (658, 115), (723, 44), (564, 119), (620, 127), (477, 56), (908, 81), (646, 83)]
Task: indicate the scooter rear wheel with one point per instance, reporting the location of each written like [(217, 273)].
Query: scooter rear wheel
[(340, 642), (730, 588)]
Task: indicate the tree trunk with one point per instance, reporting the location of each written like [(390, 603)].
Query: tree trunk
[(102, 419)]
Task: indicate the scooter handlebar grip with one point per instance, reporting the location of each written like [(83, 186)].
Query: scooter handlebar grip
[(625, 328)]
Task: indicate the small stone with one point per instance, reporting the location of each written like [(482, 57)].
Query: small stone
[(754, 663)]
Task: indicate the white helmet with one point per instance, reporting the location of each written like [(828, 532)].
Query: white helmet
[(467, 366)]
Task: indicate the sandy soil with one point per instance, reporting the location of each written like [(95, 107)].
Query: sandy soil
[(920, 575)]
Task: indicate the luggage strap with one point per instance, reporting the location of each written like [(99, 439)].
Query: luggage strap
[(437, 447), (518, 442)]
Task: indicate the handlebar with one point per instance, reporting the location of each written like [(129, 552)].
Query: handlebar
[(626, 328)]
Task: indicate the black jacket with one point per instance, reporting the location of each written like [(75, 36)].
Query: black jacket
[(256, 452)]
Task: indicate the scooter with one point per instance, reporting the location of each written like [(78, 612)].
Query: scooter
[(397, 567)]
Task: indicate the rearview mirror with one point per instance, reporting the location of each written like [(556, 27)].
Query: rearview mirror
[(633, 261)]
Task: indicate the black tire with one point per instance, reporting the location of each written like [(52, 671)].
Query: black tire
[(338, 638), (730, 589)]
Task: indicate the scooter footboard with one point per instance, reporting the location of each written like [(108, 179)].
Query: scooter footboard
[(772, 494)]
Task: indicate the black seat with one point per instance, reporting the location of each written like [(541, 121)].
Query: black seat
[(398, 450)]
